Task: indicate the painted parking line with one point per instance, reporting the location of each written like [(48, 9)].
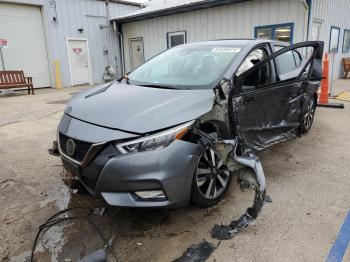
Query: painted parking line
[(340, 245)]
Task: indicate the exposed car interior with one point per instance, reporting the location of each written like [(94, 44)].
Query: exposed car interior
[(259, 77)]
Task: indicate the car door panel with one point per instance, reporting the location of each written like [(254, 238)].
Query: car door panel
[(269, 118), (271, 114)]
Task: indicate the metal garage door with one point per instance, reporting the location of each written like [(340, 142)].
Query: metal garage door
[(22, 26)]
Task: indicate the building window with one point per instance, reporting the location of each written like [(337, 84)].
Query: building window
[(334, 39), (346, 41), (280, 32), (176, 38)]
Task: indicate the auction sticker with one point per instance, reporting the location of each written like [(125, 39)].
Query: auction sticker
[(226, 50)]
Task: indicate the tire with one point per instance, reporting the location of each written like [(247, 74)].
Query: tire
[(216, 176), (308, 115)]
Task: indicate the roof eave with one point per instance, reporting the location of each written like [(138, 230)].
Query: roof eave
[(177, 10), (124, 2)]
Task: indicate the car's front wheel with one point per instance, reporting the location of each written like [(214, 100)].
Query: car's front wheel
[(308, 115), (211, 180)]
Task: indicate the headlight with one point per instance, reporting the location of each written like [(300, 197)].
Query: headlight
[(156, 141)]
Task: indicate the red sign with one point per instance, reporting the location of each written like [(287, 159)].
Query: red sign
[(77, 50), (3, 43)]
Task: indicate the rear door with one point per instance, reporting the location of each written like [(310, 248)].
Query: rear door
[(268, 112)]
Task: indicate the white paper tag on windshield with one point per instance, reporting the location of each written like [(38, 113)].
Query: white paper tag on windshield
[(226, 50)]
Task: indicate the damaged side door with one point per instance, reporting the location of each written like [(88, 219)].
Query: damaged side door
[(267, 99), (283, 95)]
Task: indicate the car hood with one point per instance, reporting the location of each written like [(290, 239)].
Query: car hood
[(139, 109)]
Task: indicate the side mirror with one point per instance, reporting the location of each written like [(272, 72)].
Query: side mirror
[(237, 82), (125, 76)]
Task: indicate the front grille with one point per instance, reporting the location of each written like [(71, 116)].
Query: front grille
[(81, 148)]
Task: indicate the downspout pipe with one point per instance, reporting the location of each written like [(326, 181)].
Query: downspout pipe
[(121, 47), (309, 19)]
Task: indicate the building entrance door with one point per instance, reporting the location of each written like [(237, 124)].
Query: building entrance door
[(79, 61), (136, 52)]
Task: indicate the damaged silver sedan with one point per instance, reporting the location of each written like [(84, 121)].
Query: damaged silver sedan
[(178, 128)]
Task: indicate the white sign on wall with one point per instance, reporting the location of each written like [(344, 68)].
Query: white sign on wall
[(3, 43)]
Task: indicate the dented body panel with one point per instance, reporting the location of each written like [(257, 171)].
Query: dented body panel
[(272, 113), (272, 117)]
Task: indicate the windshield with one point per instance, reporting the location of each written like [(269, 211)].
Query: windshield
[(186, 67)]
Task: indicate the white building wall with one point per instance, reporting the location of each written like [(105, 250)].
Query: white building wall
[(333, 13), (71, 15), (229, 21)]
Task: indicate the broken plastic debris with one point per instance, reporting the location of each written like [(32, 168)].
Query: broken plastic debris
[(54, 150), (268, 199), (197, 253), (254, 178), (223, 232), (111, 240), (99, 211)]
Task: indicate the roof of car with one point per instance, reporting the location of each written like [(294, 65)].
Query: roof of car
[(238, 42)]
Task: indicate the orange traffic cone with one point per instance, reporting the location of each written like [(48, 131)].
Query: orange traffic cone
[(325, 81), (323, 99)]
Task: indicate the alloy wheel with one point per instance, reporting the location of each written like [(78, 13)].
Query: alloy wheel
[(309, 114), (212, 175)]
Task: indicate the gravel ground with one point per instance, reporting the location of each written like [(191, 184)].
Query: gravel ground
[(307, 179)]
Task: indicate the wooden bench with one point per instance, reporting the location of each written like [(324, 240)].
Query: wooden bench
[(14, 79), (346, 67)]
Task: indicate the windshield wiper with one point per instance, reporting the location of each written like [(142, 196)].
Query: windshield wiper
[(158, 86)]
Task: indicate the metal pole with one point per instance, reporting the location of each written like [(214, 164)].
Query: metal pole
[(109, 32), (2, 59), (331, 89)]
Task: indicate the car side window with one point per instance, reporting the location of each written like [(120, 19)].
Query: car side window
[(252, 59), (259, 77), (288, 61)]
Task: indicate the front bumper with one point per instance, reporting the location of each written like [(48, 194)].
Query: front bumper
[(116, 176)]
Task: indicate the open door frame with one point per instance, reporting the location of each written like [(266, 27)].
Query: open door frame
[(271, 113), (315, 61)]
